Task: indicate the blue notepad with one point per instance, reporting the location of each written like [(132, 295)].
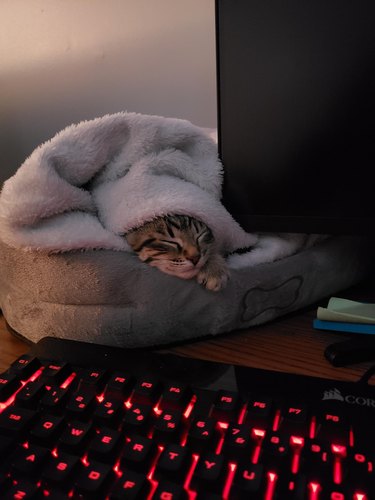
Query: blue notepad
[(341, 326)]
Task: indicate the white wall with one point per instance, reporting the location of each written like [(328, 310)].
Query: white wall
[(62, 61)]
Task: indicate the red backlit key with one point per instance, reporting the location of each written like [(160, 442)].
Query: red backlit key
[(59, 469), (275, 451), (80, 404), (294, 420), (137, 418), (92, 480), (202, 434), (146, 390), (104, 445), (15, 420), (92, 380), (172, 463), (119, 385), (46, 428), (28, 460), (9, 383), (54, 400), (333, 427), (175, 396), (259, 412), (316, 459), (55, 372), (30, 394), (75, 436), (108, 410), (249, 480), (22, 489), (209, 473), (25, 366), (226, 406), (359, 468), (131, 486), (167, 426), (138, 453), (169, 491), (237, 441)]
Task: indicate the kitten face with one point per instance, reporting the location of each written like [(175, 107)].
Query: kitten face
[(177, 245)]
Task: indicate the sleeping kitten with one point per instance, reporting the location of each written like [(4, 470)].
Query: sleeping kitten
[(182, 246)]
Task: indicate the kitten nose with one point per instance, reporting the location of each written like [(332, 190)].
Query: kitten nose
[(194, 258)]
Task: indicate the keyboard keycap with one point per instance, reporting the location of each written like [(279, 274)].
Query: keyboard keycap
[(80, 404), (22, 489), (226, 406), (104, 445), (25, 366), (249, 480), (75, 436), (108, 411), (146, 390), (47, 428), (28, 460), (15, 420), (209, 473), (119, 385), (55, 399), (173, 462), (59, 469), (237, 441), (259, 412), (167, 490), (202, 434), (138, 453), (175, 396), (9, 383), (55, 372), (167, 426), (131, 486), (30, 394), (92, 480)]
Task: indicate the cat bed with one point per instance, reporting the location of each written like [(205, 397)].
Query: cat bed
[(112, 298), (67, 270)]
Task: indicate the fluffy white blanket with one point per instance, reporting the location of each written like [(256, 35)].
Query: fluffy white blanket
[(94, 181)]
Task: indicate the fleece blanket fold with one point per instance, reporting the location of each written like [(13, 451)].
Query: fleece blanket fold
[(94, 181)]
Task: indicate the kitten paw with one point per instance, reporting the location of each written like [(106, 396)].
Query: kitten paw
[(213, 282)]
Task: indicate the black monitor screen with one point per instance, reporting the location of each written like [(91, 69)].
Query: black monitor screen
[(296, 113)]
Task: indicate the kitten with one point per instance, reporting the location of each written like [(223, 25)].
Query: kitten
[(181, 246)]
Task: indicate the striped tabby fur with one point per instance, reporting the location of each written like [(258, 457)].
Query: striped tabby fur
[(182, 246)]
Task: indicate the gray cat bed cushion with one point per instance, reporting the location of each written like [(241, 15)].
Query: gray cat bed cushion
[(66, 268), (112, 298)]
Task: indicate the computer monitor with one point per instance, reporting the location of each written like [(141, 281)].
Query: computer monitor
[(296, 113)]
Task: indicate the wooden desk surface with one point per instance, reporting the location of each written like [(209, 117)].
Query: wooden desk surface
[(288, 344)]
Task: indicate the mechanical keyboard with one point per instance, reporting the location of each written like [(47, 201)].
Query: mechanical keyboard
[(84, 421)]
